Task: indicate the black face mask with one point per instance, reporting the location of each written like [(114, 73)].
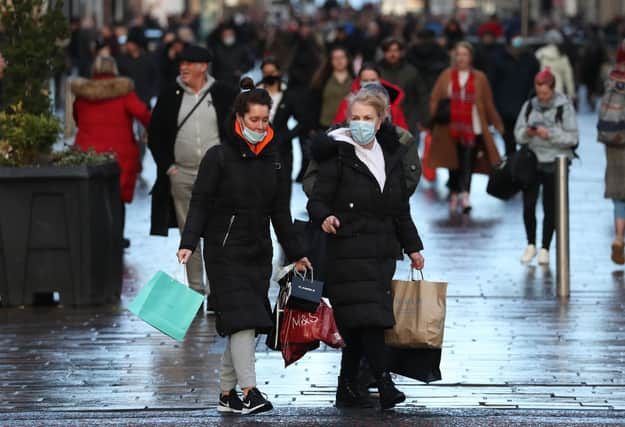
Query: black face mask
[(271, 80)]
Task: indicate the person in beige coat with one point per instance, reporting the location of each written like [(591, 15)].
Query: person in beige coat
[(558, 63), (461, 140)]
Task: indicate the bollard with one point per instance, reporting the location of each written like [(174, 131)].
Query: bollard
[(562, 226)]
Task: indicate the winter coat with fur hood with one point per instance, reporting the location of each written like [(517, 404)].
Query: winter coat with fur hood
[(104, 109)]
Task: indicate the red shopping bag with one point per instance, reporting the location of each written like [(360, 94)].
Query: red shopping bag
[(428, 172), (300, 330)]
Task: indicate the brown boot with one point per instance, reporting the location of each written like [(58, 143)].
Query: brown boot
[(618, 255)]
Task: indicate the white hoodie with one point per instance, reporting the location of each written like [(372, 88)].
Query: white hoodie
[(372, 158)]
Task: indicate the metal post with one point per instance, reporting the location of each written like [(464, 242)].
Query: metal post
[(562, 226)]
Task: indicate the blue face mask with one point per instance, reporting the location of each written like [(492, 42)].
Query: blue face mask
[(370, 83), (362, 132), (517, 42), (251, 136)]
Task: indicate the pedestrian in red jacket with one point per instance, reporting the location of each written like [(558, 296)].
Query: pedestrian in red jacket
[(370, 74), (104, 110)]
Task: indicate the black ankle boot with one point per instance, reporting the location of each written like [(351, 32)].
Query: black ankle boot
[(389, 395), (348, 395)]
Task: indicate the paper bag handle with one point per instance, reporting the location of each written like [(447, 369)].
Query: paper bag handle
[(303, 276), (183, 269), (412, 274)]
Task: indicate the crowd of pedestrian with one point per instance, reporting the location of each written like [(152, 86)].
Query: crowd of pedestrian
[(362, 89)]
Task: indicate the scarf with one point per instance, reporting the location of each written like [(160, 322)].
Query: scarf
[(462, 102)]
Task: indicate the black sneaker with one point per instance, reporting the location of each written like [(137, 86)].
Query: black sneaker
[(255, 402), (230, 403)]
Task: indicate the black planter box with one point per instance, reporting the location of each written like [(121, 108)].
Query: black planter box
[(60, 231)]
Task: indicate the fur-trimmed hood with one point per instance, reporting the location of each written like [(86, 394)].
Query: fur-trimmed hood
[(324, 146), (100, 89)]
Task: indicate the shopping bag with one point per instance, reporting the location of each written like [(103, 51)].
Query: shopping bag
[(304, 292), (419, 308), (273, 338), (501, 183), (524, 167), (422, 364), (428, 172), (167, 305), (303, 327)]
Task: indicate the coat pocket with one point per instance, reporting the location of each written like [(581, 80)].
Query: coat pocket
[(232, 218)]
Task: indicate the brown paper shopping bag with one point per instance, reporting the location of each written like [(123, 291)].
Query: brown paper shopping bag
[(419, 308)]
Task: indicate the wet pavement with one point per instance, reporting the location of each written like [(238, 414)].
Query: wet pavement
[(513, 354)]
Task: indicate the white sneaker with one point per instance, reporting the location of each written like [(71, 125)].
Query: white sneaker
[(530, 252), (543, 257)]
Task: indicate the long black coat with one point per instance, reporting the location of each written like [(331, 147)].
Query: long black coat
[(375, 226), (235, 196), (162, 138)]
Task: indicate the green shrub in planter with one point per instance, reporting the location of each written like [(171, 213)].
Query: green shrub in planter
[(26, 138)]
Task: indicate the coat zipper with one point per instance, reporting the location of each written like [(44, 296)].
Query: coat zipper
[(228, 231)]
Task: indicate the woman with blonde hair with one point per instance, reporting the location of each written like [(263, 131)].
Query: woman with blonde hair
[(461, 140), (360, 200)]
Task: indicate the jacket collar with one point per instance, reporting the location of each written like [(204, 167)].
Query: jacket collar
[(101, 88)]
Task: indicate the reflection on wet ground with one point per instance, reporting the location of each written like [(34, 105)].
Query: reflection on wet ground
[(509, 342)]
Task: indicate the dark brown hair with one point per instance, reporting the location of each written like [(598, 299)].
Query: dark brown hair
[(250, 95), (323, 74)]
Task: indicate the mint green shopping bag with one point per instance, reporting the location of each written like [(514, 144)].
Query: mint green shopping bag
[(167, 304)]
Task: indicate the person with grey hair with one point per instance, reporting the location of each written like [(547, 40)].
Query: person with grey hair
[(104, 109)]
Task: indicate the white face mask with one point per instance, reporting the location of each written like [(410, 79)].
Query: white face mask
[(252, 136), (229, 40)]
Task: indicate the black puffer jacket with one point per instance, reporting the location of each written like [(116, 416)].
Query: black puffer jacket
[(235, 196), (375, 226)]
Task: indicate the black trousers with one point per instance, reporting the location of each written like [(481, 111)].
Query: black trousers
[(508, 136), (460, 179), (367, 342), (546, 180)]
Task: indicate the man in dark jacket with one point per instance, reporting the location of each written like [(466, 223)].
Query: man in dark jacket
[(397, 71), (231, 57), (139, 65), (514, 73), (187, 120), (429, 57)]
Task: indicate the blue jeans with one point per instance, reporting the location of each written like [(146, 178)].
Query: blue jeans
[(619, 209)]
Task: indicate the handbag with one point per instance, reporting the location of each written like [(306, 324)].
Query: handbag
[(442, 115), (523, 167), (419, 307), (316, 241), (500, 182), (167, 305), (422, 364), (304, 294)]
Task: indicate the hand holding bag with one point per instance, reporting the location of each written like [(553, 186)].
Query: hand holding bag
[(167, 305), (501, 183), (419, 308), (304, 294)]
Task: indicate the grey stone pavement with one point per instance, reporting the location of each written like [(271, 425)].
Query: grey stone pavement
[(513, 353)]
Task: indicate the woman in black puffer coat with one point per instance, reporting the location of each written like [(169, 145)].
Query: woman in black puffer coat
[(240, 187), (360, 200)]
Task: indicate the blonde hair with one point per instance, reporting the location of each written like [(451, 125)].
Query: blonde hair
[(373, 98), (465, 44), (104, 65)]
